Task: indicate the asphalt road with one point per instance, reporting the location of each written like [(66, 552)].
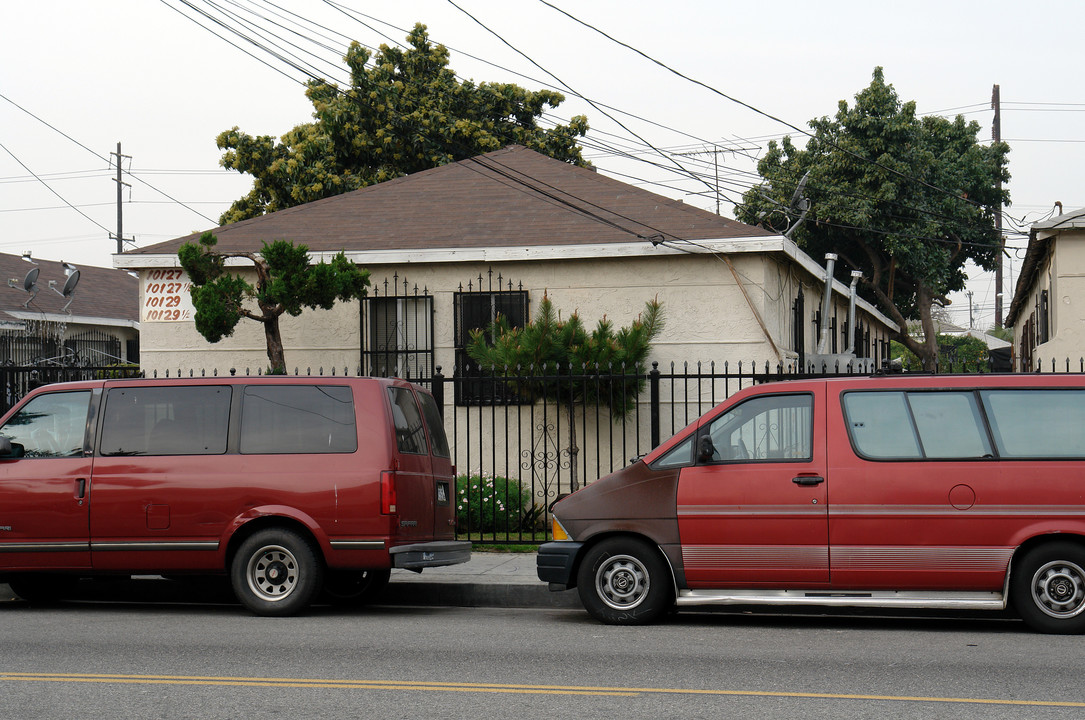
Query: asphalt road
[(161, 660)]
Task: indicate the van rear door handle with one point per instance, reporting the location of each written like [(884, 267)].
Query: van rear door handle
[(808, 480)]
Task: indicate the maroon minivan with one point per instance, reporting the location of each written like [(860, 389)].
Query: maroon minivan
[(290, 485)]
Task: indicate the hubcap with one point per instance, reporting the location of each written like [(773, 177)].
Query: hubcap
[(622, 582), (272, 573), (1059, 589)]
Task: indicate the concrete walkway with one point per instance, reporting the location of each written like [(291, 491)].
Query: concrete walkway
[(488, 580)]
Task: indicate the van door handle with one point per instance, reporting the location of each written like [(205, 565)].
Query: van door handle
[(808, 480), (80, 488)]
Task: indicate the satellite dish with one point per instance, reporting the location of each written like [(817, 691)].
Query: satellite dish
[(70, 283), (31, 280)]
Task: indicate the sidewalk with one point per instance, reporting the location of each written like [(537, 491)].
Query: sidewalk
[(488, 580)]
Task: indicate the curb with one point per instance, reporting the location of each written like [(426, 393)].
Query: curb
[(429, 594), (470, 594)]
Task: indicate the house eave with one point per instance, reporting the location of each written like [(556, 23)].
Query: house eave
[(642, 248)]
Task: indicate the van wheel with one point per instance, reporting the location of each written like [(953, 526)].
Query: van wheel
[(276, 572), (1048, 588), (355, 587), (625, 581)]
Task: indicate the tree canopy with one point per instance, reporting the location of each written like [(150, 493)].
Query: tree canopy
[(907, 200), (405, 111), (286, 282)]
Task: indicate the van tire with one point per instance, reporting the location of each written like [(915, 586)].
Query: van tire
[(355, 587), (1048, 588), (276, 572), (625, 581)]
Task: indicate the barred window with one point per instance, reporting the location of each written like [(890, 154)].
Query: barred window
[(476, 311)]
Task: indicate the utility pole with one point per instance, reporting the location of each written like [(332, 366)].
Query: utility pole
[(996, 135), (969, 294), (119, 237)]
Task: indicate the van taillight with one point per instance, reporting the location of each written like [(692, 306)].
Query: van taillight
[(388, 493)]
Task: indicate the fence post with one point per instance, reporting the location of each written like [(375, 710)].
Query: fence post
[(653, 384), (437, 387)]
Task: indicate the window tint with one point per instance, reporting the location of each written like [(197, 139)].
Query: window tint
[(174, 420), (50, 426), (774, 427), (880, 425), (949, 424), (298, 419), (410, 435), (1037, 423), (435, 424)]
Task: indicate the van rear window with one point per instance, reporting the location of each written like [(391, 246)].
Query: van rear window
[(298, 419), (410, 434)]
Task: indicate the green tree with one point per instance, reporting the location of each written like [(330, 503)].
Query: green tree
[(286, 282), (404, 112), (906, 200), (548, 348)]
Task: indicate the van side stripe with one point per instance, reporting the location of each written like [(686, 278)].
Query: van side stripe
[(357, 544), (691, 511), (44, 547), (991, 510), (955, 559), (156, 545), (755, 556)]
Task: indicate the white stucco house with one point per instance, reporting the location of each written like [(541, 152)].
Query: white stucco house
[(1048, 308), (447, 248)]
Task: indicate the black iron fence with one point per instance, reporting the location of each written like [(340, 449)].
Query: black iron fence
[(548, 434), (16, 382)]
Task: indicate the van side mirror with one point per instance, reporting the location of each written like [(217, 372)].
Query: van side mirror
[(6, 448), (706, 449)]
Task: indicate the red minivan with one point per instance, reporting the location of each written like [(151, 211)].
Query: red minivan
[(290, 485), (951, 492)]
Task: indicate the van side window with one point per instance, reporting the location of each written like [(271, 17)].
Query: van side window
[(410, 435), (436, 425), (174, 420), (678, 456), (771, 427), (949, 424), (899, 425), (298, 419), (50, 426), (880, 425), (1037, 423)]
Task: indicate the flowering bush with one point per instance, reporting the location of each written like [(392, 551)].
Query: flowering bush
[(489, 503)]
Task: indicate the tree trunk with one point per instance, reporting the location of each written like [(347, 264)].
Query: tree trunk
[(574, 450), (275, 355)]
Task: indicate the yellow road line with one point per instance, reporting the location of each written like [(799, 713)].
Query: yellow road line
[(213, 680)]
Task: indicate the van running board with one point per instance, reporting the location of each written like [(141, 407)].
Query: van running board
[(849, 598)]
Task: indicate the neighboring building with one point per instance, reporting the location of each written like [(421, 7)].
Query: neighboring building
[(95, 324), (1048, 308), (448, 248)]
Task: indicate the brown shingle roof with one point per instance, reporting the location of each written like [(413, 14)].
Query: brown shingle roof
[(100, 293), (512, 197)]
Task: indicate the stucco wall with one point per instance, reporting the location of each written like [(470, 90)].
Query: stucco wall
[(708, 317)]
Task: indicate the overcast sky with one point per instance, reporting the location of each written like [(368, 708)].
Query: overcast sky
[(78, 77)]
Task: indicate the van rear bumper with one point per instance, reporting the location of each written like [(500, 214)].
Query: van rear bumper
[(431, 554)]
